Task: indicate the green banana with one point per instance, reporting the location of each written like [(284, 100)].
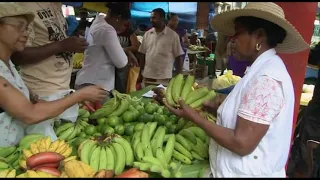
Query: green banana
[(94, 158), (177, 88), (145, 138), (187, 88), (147, 150), (196, 156), (124, 105), (28, 139), (136, 139), (200, 150), (160, 156), (4, 165), (110, 158), (103, 159), (152, 160), (188, 135), (13, 157), (169, 147), (178, 147), (173, 166), (188, 124), (180, 157), (203, 147), (127, 148), (158, 142), (85, 151), (152, 128), (180, 139), (73, 134), (199, 133), (165, 173), (5, 152), (142, 166), (139, 151), (82, 112), (65, 134), (64, 127), (120, 161)]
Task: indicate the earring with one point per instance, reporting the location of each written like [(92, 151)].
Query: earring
[(258, 47)]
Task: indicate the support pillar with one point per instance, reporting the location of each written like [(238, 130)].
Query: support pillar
[(301, 15)]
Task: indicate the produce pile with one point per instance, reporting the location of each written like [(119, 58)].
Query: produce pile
[(198, 48), (225, 81), (124, 138)]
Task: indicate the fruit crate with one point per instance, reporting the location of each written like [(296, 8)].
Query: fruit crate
[(201, 71)]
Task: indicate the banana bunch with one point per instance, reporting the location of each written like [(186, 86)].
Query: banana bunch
[(77, 169), (28, 139), (69, 131), (35, 174), (9, 157), (8, 173), (45, 145), (78, 59), (114, 153), (107, 108)]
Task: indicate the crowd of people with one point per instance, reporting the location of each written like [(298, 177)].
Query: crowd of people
[(252, 120)]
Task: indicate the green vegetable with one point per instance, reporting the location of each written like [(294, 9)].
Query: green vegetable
[(169, 98), (177, 88)]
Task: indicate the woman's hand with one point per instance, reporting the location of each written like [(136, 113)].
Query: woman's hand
[(132, 60), (213, 105), (185, 111), (92, 93)]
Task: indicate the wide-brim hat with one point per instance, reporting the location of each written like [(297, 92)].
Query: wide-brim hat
[(293, 42), (9, 9)]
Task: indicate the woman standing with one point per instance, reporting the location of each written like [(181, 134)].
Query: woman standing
[(252, 136), (19, 106), (173, 22), (129, 42)]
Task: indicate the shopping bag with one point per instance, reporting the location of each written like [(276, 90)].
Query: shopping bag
[(132, 79), (46, 127)]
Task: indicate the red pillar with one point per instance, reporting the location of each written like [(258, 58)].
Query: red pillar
[(301, 15)]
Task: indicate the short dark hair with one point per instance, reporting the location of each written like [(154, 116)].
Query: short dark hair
[(119, 9), (160, 11), (275, 33), (170, 15)]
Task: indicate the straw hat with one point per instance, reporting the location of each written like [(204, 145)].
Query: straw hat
[(8, 9), (293, 42)]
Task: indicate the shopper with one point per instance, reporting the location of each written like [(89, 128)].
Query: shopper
[(105, 52), (19, 106), (173, 22), (252, 135), (159, 49)]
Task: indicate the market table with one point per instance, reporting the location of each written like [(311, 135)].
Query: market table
[(194, 59)]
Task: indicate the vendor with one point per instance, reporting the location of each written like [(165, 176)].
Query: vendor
[(18, 105), (252, 135)]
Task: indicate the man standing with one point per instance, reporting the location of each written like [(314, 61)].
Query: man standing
[(46, 63), (160, 48)]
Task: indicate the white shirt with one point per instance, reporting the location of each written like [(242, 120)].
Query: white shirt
[(102, 56), (11, 130), (272, 105)]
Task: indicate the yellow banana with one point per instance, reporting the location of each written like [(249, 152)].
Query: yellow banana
[(11, 174), (34, 148), (23, 164), (70, 158), (73, 169), (54, 146), (62, 148), (32, 174), (48, 142), (42, 145), (38, 143), (24, 175), (64, 175), (27, 153), (67, 152), (42, 174), (88, 170), (4, 173)]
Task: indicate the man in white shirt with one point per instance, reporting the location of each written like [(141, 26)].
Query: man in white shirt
[(160, 48), (105, 52)]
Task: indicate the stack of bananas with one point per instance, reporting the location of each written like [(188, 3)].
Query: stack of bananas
[(45, 145), (9, 157), (77, 169), (114, 153), (8, 173), (35, 174), (154, 150), (69, 131)]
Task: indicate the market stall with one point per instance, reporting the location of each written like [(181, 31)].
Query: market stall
[(129, 136)]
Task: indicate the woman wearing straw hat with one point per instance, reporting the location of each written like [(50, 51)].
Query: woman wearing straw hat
[(254, 122), (18, 106)]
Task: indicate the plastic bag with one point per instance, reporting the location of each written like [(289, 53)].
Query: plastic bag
[(186, 65), (46, 127), (132, 79)]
